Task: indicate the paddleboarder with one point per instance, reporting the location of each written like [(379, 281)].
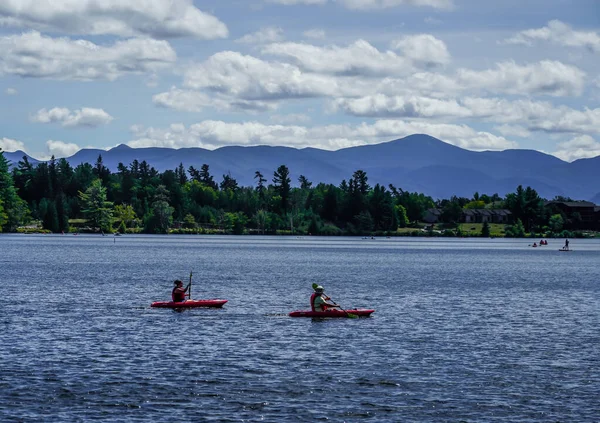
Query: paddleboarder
[(566, 247), (318, 300), (178, 294)]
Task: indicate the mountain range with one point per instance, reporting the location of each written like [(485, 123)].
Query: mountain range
[(417, 162)]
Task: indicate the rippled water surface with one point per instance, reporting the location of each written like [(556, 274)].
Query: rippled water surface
[(464, 330)]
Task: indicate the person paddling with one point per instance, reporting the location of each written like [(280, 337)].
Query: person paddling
[(178, 294), (318, 300), (566, 247)]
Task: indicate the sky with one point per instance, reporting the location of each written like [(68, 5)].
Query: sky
[(330, 74)]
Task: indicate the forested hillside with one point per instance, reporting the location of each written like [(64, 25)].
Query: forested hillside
[(138, 198)]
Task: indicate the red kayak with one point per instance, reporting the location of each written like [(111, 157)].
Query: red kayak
[(189, 303), (361, 312)]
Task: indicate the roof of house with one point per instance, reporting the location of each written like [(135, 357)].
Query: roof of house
[(573, 203), (487, 212)]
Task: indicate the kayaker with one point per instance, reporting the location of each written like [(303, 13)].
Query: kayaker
[(178, 294), (318, 300)]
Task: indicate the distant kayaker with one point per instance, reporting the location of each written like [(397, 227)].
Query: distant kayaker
[(178, 294), (318, 300)]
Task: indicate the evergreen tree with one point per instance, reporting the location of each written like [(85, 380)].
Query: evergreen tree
[(181, 175), (206, 178), (485, 230), (95, 206), (14, 210), (3, 215), (304, 183), (160, 218), (229, 183), (281, 184)]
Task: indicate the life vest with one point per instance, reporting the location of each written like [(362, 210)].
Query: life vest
[(177, 297), (312, 302)]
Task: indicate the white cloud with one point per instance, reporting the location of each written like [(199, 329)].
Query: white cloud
[(38, 56), (295, 2), (292, 118), (196, 101), (213, 134), (372, 4), (581, 147), (60, 149), (380, 105), (10, 145), (384, 4), (266, 35), (317, 34), (512, 131), (517, 118), (359, 58), (423, 49), (249, 78), (85, 117), (11, 91), (559, 33), (547, 77), (154, 18)]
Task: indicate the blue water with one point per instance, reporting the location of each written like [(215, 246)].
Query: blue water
[(465, 330)]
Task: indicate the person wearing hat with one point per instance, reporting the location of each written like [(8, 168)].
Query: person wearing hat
[(178, 294), (318, 300)]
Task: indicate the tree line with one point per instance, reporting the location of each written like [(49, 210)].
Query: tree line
[(138, 198)]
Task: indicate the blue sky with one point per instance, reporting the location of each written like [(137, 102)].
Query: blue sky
[(482, 75)]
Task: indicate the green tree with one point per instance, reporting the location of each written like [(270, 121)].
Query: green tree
[(304, 183), (14, 209), (516, 231), (3, 215), (206, 178), (478, 204), (189, 221), (262, 220), (235, 222), (229, 183), (556, 223), (160, 218), (331, 203), (485, 230), (402, 217), (281, 184), (95, 206), (125, 213), (451, 211)]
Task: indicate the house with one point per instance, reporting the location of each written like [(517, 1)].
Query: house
[(502, 216), (486, 215), (586, 211), (432, 215), (473, 216)]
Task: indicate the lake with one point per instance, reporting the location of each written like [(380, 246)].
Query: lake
[(465, 330)]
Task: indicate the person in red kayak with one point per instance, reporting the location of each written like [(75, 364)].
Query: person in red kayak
[(318, 300), (178, 294)]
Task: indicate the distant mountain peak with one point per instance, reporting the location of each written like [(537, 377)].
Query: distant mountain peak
[(121, 147)]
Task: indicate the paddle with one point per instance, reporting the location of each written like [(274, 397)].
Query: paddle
[(349, 315), (190, 287)]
